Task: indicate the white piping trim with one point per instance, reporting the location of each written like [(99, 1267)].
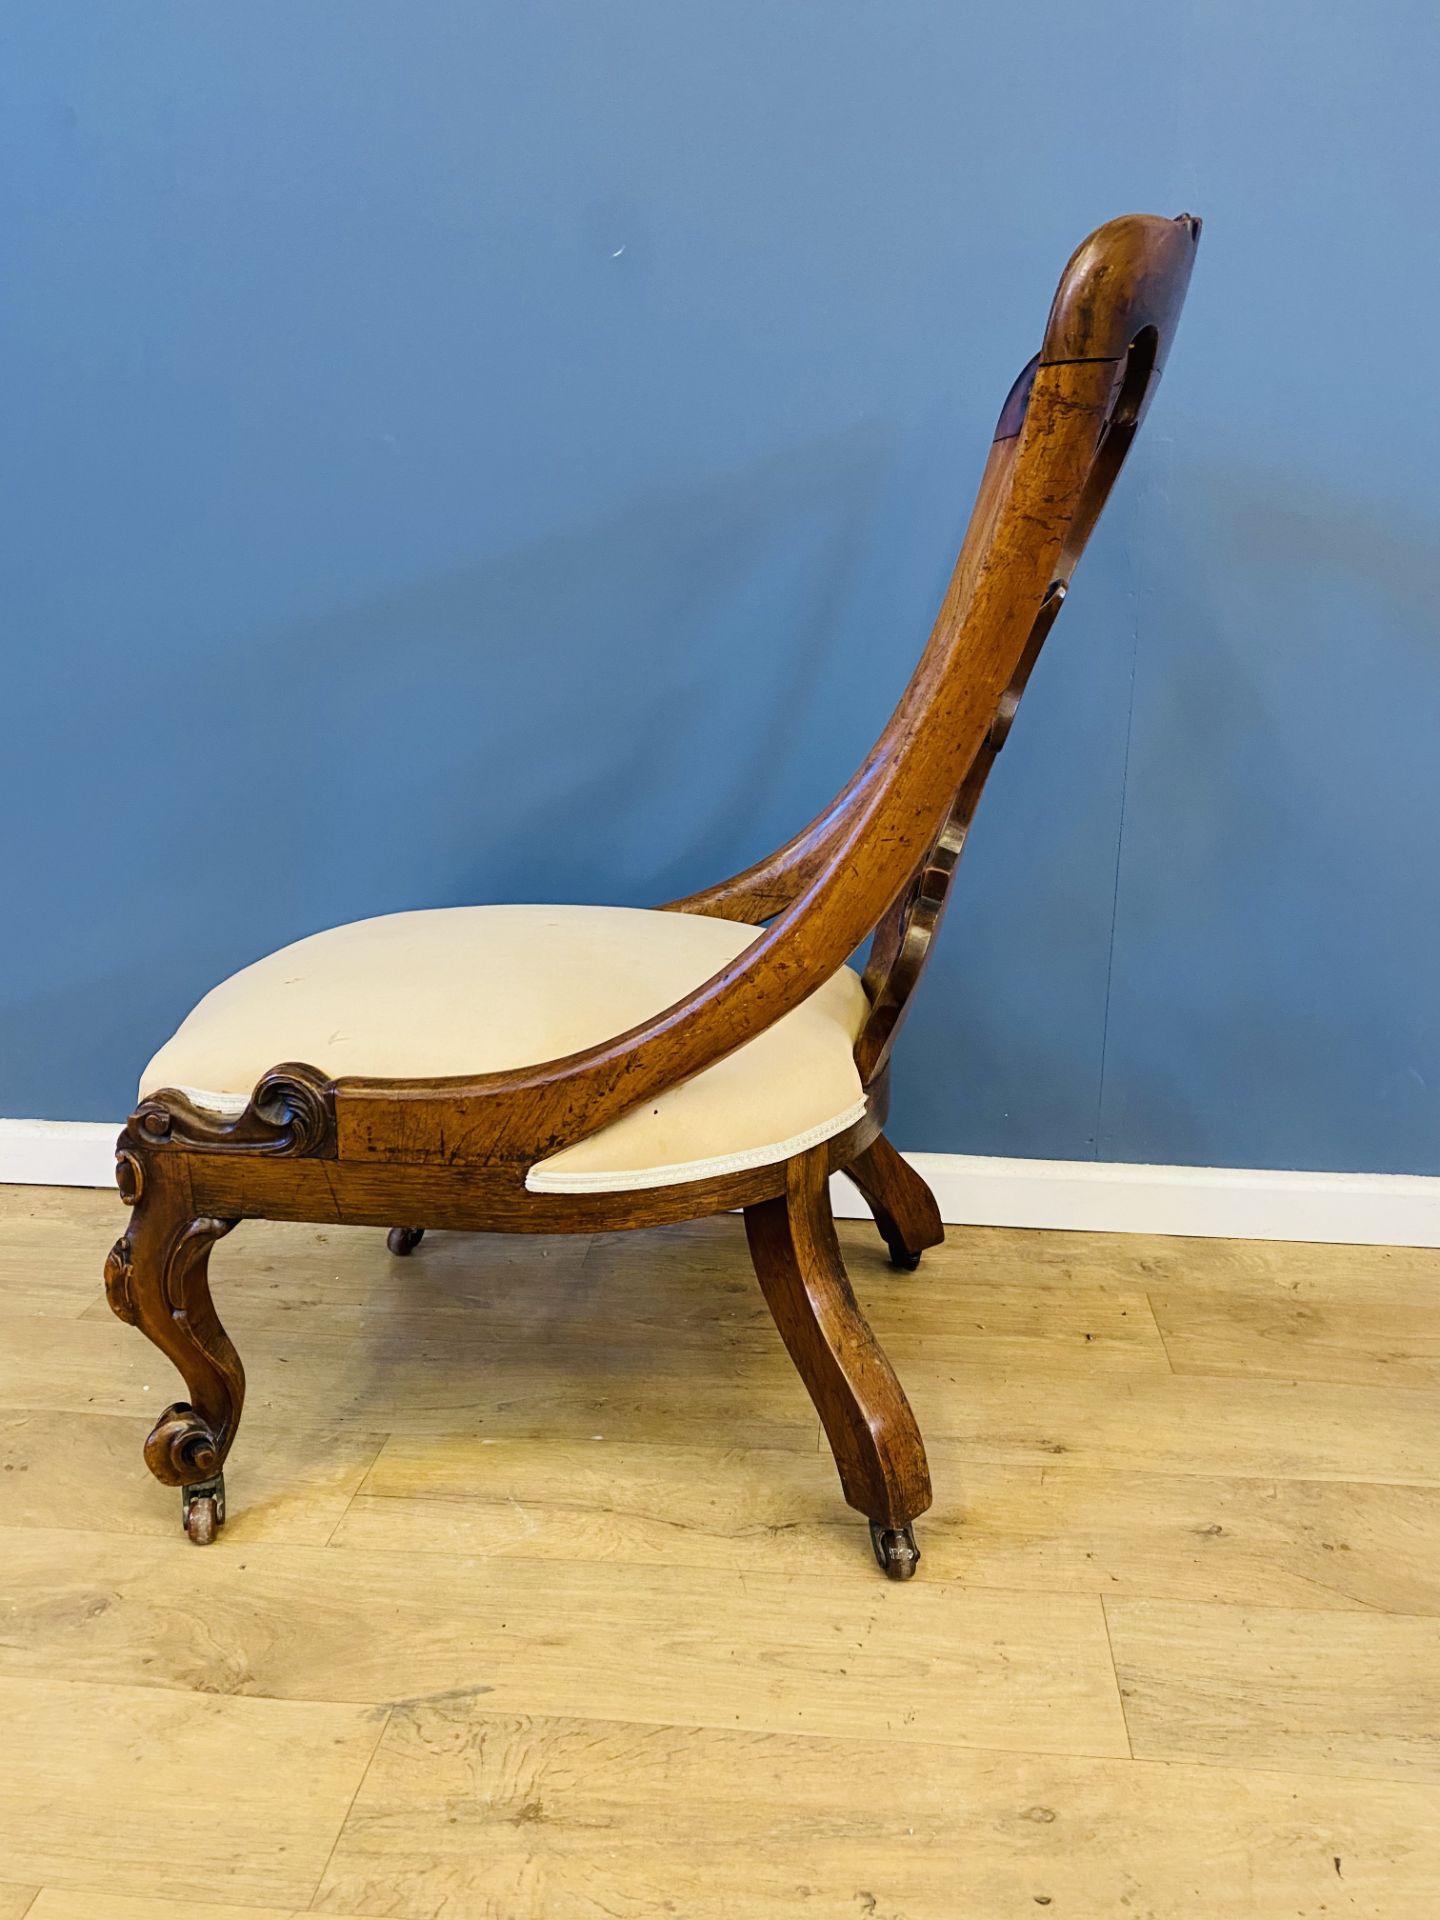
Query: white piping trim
[(632, 1180)]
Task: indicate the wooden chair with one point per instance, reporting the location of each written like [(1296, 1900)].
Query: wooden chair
[(574, 1070)]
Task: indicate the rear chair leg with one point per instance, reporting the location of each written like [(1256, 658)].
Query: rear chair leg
[(155, 1279), (872, 1432), (903, 1206)]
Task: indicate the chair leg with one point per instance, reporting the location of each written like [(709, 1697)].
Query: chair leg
[(156, 1280), (903, 1206), (872, 1432), (402, 1240)]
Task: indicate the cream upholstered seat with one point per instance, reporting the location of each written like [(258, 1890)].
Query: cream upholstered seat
[(469, 990)]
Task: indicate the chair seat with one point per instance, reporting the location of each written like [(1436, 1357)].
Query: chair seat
[(471, 990)]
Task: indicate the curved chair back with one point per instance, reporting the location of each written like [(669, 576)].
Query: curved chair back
[(1061, 439)]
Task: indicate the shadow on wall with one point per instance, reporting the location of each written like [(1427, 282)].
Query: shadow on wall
[(1280, 856), (704, 627), (1278, 931), (711, 627)]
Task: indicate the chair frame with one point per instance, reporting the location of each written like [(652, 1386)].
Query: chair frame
[(454, 1152)]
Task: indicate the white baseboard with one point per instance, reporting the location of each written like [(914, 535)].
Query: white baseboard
[(1228, 1203), (57, 1153), (1232, 1203)]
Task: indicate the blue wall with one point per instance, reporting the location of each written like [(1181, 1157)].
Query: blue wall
[(469, 452)]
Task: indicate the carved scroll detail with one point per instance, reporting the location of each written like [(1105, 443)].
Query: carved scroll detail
[(292, 1111), (119, 1275), (129, 1176), (182, 1448), (185, 1267)]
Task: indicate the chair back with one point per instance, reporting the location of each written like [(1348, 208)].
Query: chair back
[(1062, 437)]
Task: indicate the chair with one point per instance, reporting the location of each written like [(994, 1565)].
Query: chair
[(574, 1070)]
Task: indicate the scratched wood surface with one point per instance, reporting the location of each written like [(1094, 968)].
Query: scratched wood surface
[(538, 1603)]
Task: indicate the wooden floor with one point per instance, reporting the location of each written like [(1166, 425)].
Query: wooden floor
[(538, 1600)]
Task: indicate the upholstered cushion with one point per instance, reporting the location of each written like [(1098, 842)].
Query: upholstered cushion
[(469, 990)]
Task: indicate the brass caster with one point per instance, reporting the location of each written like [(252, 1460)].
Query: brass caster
[(202, 1509), (403, 1240), (896, 1553)]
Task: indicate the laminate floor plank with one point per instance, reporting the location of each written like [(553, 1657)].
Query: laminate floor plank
[(470, 1816), (428, 1377), (772, 1652), (1245, 1428), (87, 1904), (99, 1784), (1159, 1263), (1353, 1693), (1366, 1343), (1063, 1528), (84, 1471)]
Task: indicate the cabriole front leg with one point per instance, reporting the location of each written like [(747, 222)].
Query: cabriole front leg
[(156, 1279)]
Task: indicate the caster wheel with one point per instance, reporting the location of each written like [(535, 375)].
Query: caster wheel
[(902, 1258), (896, 1553), (202, 1510), (201, 1523), (403, 1240)]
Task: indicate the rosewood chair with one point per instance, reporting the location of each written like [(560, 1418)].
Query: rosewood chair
[(582, 1069)]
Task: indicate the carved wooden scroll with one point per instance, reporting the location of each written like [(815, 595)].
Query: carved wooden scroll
[(292, 1111)]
